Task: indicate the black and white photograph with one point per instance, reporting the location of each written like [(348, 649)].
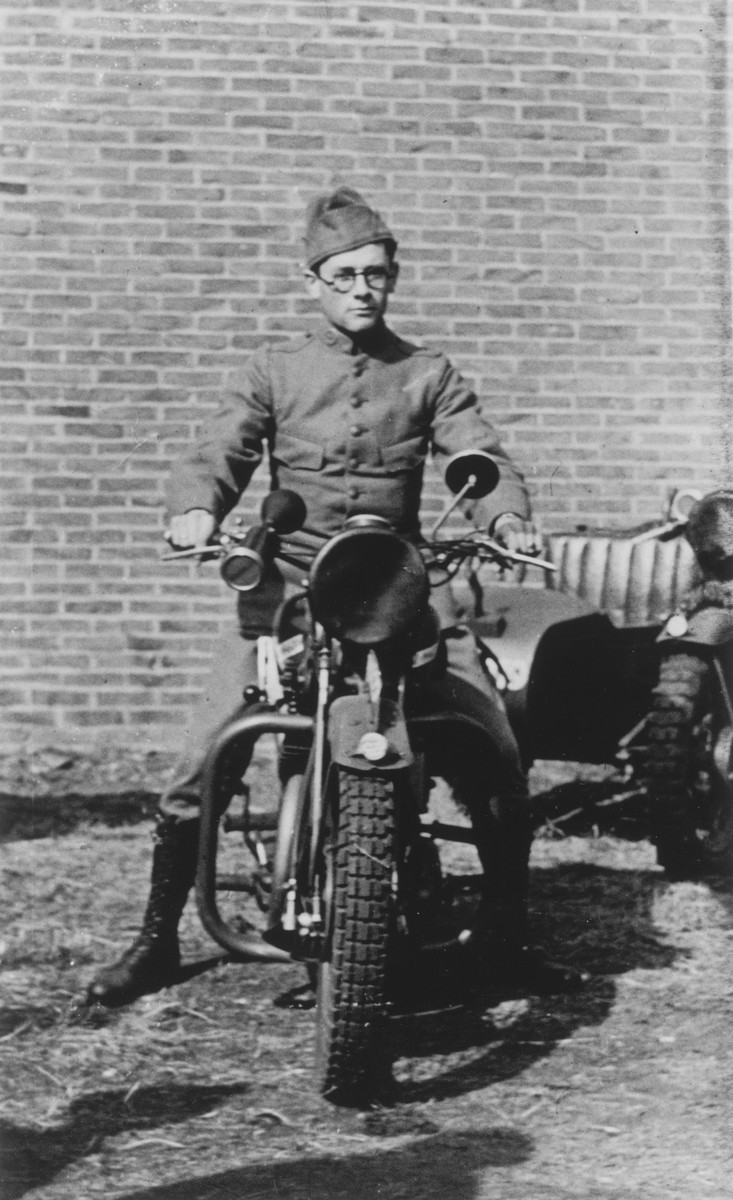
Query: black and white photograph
[(366, 653)]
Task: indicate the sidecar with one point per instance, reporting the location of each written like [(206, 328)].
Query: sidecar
[(574, 652)]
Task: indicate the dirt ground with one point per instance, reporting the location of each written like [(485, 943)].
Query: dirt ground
[(203, 1091)]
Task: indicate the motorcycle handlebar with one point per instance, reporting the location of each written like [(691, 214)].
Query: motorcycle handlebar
[(482, 546), (660, 532), (212, 549), (516, 556), (243, 557)]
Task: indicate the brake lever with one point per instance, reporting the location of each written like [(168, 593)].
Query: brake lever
[(514, 555)]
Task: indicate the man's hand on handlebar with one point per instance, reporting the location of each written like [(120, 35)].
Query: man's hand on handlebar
[(517, 534), (192, 528)]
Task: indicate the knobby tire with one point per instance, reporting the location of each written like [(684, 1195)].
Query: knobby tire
[(352, 978), (691, 806)]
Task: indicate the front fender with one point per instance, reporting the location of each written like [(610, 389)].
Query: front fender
[(707, 627), (351, 717)]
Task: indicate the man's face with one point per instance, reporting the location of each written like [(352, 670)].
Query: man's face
[(369, 277)]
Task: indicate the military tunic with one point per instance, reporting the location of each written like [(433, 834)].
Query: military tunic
[(348, 426)]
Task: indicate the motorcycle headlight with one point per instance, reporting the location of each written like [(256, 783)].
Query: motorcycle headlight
[(368, 584)]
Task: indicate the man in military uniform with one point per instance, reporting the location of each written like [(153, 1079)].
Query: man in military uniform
[(348, 414)]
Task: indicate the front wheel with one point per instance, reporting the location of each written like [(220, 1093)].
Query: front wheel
[(689, 764), (359, 865)]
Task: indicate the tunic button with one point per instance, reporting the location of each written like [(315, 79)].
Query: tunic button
[(353, 462), (356, 430), (355, 401), (353, 492)]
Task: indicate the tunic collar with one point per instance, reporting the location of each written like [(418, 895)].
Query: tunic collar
[(371, 343)]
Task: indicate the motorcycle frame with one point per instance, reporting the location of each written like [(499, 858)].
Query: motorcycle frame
[(339, 722), (243, 732)]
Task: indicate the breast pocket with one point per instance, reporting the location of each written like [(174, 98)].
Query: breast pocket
[(297, 453), (407, 455)]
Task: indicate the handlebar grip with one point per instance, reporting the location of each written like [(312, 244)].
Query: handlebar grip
[(200, 552)]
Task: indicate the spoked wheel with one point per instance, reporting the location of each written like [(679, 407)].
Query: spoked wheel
[(690, 756), (359, 860)]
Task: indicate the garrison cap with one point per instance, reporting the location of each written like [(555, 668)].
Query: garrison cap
[(341, 221)]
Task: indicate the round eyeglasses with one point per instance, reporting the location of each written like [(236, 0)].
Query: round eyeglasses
[(375, 278)]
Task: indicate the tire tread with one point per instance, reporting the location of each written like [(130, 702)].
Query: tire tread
[(351, 1007), (681, 692)]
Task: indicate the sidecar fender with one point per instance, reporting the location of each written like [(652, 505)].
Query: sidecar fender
[(515, 620), (708, 627), (574, 683), (350, 718)]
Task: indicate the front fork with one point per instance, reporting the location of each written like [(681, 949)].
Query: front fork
[(323, 674), (296, 919)]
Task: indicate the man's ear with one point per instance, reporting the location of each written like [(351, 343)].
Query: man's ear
[(311, 283), (395, 269)]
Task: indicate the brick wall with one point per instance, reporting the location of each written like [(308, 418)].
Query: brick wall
[(556, 170)]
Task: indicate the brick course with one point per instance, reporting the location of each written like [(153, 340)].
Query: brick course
[(557, 174)]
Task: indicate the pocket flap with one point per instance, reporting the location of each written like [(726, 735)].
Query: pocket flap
[(407, 454), (297, 452)]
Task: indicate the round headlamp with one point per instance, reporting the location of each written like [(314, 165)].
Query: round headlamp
[(368, 584)]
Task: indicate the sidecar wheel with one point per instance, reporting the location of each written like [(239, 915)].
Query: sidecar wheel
[(359, 861), (690, 743)]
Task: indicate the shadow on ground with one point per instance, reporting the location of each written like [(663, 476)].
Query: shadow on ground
[(592, 918), (30, 1157), (433, 1166), (576, 807), (451, 1044), (27, 816), (597, 918)]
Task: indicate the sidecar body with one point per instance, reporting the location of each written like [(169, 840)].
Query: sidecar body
[(575, 652)]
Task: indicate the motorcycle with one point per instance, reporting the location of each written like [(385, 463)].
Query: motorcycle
[(690, 722), (353, 881)]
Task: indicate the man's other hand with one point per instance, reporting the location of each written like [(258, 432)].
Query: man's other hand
[(193, 528), (517, 533)]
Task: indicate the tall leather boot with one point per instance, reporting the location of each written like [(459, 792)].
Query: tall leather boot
[(500, 934), (154, 959)]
